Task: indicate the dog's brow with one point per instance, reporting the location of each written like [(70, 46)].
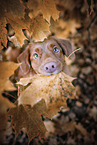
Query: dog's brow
[(37, 49), (51, 45)]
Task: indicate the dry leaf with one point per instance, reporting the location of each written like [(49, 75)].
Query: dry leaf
[(3, 124), (5, 104), (72, 126), (61, 127), (46, 7), (3, 32), (39, 28), (13, 12), (6, 70), (34, 6), (54, 89), (18, 24), (45, 94), (13, 6), (81, 129), (63, 28), (29, 118)]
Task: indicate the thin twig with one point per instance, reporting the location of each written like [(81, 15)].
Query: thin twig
[(73, 52), (10, 95)]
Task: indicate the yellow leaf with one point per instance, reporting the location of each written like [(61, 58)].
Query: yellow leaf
[(6, 70), (46, 7), (15, 8), (64, 29), (54, 89), (18, 24), (39, 28)]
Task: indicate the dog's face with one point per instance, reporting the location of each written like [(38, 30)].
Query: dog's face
[(45, 57)]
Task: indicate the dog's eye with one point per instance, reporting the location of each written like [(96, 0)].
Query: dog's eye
[(56, 49), (35, 55)]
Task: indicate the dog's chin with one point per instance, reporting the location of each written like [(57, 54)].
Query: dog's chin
[(51, 73)]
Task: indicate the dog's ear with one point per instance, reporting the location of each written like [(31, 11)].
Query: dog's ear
[(24, 59), (66, 47)]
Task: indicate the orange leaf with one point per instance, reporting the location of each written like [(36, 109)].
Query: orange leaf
[(39, 28), (18, 24), (3, 32), (46, 7), (6, 70), (14, 7), (64, 29)]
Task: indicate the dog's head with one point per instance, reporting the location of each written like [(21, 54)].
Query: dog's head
[(45, 57)]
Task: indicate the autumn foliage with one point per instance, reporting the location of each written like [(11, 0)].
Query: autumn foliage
[(21, 22), (46, 95)]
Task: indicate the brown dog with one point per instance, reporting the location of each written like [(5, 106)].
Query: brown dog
[(44, 57)]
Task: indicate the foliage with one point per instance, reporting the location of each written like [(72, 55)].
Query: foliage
[(29, 118), (37, 97)]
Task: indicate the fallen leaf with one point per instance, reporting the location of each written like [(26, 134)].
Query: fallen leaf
[(15, 7), (39, 28), (29, 118), (54, 89), (18, 24), (5, 104), (6, 70), (34, 7), (3, 37), (13, 13), (61, 128), (64, 29), (46, 7), (81, 129), (3, 123)]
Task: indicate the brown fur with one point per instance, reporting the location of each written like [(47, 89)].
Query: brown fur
[(46, 57)]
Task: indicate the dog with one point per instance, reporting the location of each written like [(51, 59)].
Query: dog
[(45, 57)]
